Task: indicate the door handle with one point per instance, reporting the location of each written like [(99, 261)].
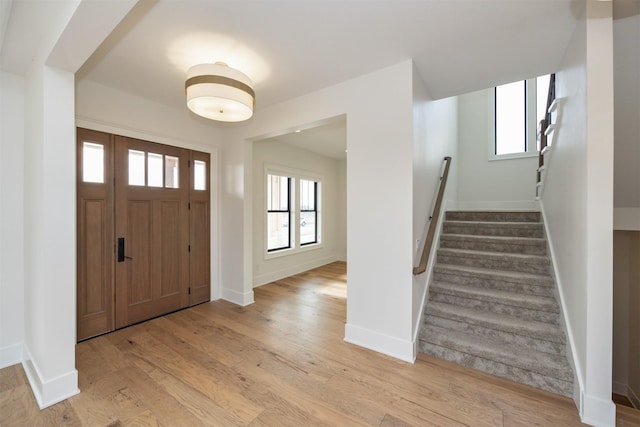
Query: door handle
[(121, 256)]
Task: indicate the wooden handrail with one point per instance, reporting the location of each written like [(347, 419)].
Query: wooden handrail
[(426, 249)]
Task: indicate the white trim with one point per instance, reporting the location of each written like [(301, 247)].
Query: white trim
[(11, 355), (498, 205), (49, 392), (578, 384), (239, 298), (385, 344), (626, 219), (598, 412), (272, 276)]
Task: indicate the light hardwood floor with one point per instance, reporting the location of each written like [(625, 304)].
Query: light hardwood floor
[(279, 362)]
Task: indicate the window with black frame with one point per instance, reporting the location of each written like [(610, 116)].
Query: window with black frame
[(308, 212), (278, 212)]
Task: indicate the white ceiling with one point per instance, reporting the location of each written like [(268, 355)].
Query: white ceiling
[(293, 47)]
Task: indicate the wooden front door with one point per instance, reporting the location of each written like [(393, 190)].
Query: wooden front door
[(143, 232)]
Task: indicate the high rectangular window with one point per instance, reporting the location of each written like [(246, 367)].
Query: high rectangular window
[(278, 212), (510, 118)]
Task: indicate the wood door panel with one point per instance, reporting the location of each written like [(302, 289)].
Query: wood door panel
[(138, 246), (200, 263), (94, 296), (94, 245), (170, 248), (164, 262), (155, 225)]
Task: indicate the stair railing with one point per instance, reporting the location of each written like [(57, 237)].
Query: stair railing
[(544, 127), (428, 242)]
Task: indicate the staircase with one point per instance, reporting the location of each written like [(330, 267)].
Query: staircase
[(491, 301)]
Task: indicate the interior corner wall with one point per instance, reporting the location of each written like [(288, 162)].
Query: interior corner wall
[(484, 183), (11, 219), (307, 163), (578, 207), (379, 193), (435, 135)]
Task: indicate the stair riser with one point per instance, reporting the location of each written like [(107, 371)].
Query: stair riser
[(493, 216), (522, 376), (488, 229), (495, 263), (489, 246), (507, 337), (523, 313), (541, 288)]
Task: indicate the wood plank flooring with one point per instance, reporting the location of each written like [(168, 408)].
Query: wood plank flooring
[(279, 362)]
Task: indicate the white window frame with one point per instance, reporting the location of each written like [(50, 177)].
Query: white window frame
[(530, 125), (296, 175)]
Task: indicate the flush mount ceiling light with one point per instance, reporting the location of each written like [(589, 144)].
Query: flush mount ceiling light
[(219, 92)]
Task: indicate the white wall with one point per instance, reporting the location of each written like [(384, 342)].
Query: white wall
[(379, 198), (342, 211), (484, 183), (11, 219), (306, 162), (435, 135), (578, 207)]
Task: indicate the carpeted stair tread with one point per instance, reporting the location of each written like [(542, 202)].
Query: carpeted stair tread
[(550, 365), (510, 229), (499, 322), (508, 244), (494, 216), (542, 280), (537, 264), (515, 299), (492, 303)]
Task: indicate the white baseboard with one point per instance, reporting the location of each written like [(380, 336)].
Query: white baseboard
[(272, 276), (385, 344), (49, 392), (497, 205), (626, 219), (598, 412), (11, 355), (239, 298)]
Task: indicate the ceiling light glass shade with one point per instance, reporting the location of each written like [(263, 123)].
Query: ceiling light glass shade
[(219, 92)]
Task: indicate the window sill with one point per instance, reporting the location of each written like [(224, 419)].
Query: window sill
[(293, 251), (513, 156)]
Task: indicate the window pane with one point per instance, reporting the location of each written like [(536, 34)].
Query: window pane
[(136, 167), (277, 193), (171, 171), (278, 230), (308, 229), (200, 175), (510, 118), (154, 169), (92, 162), (307, 195)]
